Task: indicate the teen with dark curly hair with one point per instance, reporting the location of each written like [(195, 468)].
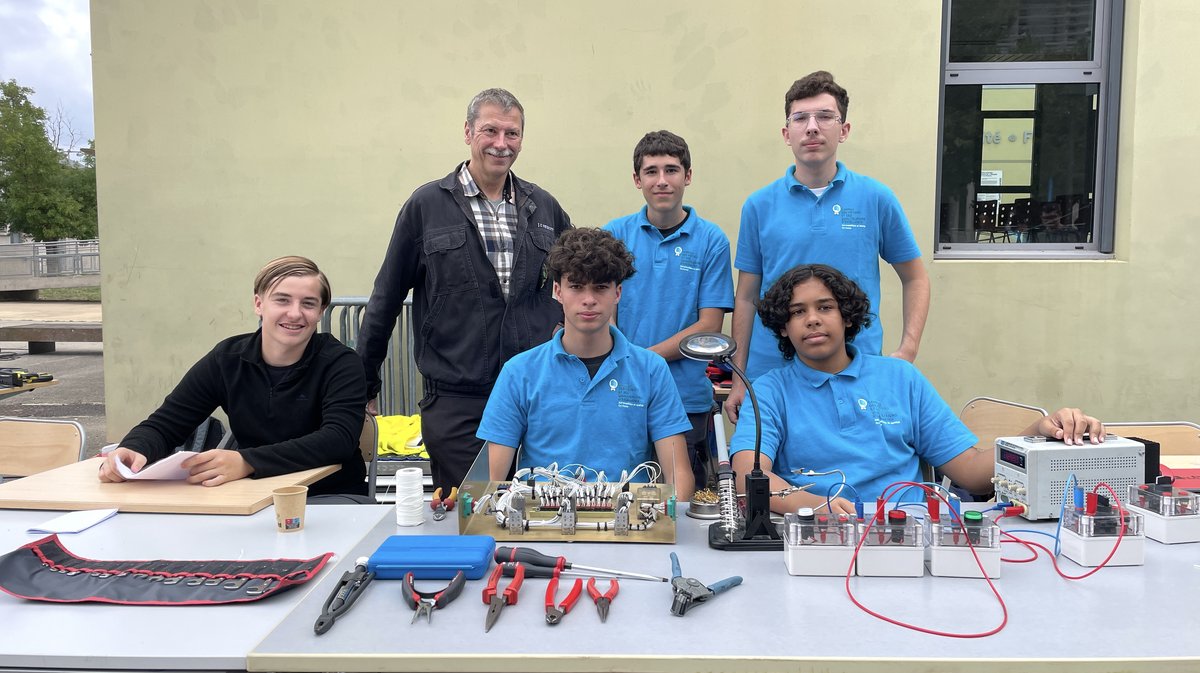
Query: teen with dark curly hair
[(588, 396), (863, 417)]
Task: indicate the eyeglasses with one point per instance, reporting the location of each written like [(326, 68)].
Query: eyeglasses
[(825, 118)]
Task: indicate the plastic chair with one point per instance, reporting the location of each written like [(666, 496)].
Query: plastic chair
[(988, 418), (32, 445), (1175, 438), (368, 443), (210, 434)]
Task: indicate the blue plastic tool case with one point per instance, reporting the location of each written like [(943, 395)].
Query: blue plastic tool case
[(432, 557)]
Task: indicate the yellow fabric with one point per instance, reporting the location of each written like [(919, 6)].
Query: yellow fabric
[(401, 436)]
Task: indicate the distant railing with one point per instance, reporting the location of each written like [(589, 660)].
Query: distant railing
[(399, 394), (51, 259)]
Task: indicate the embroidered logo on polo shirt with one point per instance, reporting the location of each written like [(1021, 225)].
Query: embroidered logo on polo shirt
[(688, 260), (880, 414), (627, 396), (851, 218)]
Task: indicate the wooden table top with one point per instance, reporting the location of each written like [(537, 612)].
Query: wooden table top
[(77, 486), (6, 391)]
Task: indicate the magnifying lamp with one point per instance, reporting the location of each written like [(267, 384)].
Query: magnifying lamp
[(759, 532)]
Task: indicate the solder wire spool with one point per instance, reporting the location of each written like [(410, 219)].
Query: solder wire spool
[(410, 497)]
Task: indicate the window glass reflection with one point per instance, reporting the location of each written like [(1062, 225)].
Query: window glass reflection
[(1021, 30), (1018, 163)]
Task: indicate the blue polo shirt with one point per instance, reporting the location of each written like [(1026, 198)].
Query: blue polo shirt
[(545, 403), (676, 277), (873, 421), (857, 221)]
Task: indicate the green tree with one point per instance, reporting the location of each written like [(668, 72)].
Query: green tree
[(42, 192)]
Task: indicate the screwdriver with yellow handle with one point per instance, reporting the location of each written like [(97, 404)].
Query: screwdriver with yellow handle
[(531, 557)]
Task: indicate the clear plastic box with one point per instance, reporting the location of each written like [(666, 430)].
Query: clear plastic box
[(823, 530), (1104, 523), (1165, 500), (822, 545), (947, 534), (908, 534)]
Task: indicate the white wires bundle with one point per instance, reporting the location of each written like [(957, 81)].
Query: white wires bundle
[(410, 497)]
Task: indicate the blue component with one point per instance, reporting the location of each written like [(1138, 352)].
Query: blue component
[(1079, 498), (725, 584)]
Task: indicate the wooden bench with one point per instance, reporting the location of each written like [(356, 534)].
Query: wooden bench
[(42, 336)]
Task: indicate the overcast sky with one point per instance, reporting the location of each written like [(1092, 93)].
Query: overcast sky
[(46, 45)]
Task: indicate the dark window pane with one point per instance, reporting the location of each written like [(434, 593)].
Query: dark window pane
[(1021, 30), (1018, 163)]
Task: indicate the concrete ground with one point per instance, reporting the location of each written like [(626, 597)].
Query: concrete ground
[(79, 367)]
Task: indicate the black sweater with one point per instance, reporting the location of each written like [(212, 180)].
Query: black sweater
[(313, 417)]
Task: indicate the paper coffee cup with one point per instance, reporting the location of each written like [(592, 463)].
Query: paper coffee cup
[(289, 508)]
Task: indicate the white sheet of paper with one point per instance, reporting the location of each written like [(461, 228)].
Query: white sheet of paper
[(166, 469), (74, 522)]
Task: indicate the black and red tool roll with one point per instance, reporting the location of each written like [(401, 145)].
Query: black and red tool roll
[(45, 571)]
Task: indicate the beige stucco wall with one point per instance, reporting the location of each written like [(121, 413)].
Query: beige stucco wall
[(230, 132)]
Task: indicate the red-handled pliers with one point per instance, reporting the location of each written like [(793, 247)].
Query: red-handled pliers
[(424, 603), (440, 506), (555, 614), (497, 600), (602, 600)]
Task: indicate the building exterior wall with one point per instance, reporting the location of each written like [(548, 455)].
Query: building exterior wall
[(230, 132)]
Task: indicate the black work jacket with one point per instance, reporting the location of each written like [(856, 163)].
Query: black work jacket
[(463, 328)]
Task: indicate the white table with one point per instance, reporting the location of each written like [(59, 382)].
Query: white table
[(1131, 618), (91, 636)]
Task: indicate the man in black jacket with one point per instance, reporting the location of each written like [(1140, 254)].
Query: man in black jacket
[(472, 248), (294, 398)]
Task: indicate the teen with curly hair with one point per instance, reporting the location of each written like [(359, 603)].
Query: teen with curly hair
[(836, 410), (588, 396)]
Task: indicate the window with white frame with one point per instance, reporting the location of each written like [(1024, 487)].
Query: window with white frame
[(1028, 128)]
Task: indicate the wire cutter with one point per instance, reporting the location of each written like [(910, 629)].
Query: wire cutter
[(555, 614), (440, 506), (690, 591), (348, 590), (424, 603), (602, 600), (496, 601)]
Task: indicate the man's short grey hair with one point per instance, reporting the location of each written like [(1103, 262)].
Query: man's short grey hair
[(499, 97)]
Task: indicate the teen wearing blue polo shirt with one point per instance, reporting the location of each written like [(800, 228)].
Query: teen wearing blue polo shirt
[(683, 283), (821, 212), (836, 409), (588, 396)]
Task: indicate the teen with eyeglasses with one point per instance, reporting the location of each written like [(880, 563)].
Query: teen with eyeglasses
[(821, 212)]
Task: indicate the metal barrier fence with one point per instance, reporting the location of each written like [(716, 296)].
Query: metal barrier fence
[(401, 390), (51, 259)]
